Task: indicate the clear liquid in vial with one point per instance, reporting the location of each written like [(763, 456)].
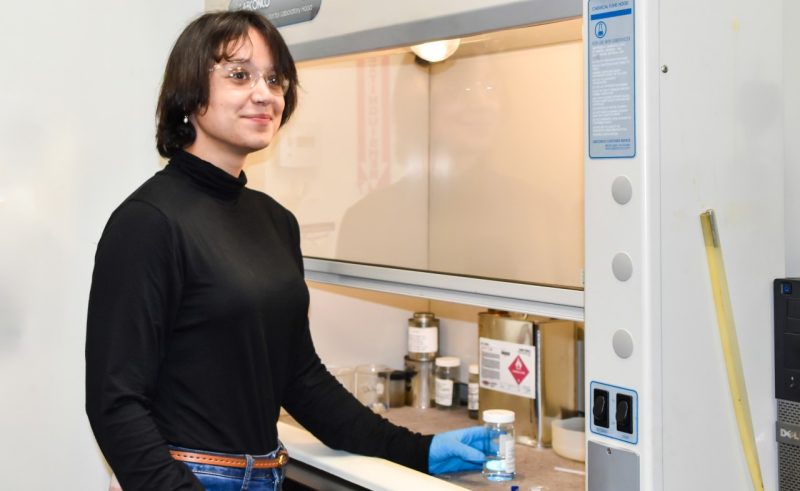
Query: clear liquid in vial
[(500, 466)]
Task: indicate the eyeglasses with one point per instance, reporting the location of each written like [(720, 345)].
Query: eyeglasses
[(244, 75)]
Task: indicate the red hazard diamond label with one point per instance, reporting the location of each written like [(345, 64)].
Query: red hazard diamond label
[(518, 370)]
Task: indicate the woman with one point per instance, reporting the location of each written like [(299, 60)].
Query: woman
[(197, 330)]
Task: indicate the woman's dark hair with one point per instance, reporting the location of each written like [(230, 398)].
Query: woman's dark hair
[(205, 42)]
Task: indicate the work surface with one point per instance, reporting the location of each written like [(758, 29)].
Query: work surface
[(537, 469)]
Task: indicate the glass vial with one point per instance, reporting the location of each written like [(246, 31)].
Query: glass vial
[(423, 336), (500, 462), (473, 389), (447, 375)]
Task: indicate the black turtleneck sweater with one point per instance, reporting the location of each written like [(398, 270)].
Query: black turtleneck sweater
[(198, 333)]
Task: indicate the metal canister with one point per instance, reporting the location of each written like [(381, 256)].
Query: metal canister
[(423, 336)]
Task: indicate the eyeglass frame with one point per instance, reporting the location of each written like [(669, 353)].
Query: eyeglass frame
[(278, 89)]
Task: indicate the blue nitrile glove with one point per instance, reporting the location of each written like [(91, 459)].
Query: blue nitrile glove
[(458, 450)]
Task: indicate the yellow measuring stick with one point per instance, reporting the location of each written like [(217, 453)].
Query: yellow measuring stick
[(730, 345)]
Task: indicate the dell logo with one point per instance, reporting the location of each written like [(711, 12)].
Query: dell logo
[(790, 434)]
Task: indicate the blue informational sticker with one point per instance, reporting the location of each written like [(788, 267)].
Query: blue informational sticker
[(612, 77), (280, 12)]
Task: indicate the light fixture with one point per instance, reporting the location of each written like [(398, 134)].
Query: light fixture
[(436, 50)]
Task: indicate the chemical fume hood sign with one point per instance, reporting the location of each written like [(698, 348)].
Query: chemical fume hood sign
[(612, 89), (508, 367), (280, 12)]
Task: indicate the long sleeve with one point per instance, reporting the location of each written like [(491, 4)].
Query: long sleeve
[(318, 402), (134, 296)]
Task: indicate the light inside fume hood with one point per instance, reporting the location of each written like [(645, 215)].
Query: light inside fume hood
[(435, 51)]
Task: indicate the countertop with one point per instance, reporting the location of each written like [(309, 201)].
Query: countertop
[(537, 469)]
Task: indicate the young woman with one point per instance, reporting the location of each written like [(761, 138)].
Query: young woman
[(197, 329)]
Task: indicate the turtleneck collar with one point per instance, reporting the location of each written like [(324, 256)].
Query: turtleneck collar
[(208, 176)]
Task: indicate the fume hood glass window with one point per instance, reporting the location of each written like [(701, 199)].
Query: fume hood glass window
[(471, 166)]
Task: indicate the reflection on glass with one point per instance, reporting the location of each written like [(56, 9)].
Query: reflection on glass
[(471, 166)]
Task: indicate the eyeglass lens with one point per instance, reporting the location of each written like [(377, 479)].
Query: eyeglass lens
[(246, 75)]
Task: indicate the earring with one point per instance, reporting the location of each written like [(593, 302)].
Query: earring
[(185, 119)]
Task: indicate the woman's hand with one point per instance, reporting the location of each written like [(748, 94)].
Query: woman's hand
[(459, 450)]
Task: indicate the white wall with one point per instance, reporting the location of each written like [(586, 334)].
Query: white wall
[(791, 121), (722, 142), (351, 327), (78, 90)]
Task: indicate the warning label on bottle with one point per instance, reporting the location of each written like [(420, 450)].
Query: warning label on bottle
[(518, 369), (508, 367)]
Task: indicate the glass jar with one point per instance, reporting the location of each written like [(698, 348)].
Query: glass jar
[(423, 336), (447, 375), (500, 462), (394, 394), (370, 386), (473, 389)]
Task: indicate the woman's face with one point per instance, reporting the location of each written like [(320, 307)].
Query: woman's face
[(239, 119)]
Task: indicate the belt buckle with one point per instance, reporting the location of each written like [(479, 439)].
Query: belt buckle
[(283, 458)]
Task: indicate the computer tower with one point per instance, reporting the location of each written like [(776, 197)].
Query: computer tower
[(787, 380)]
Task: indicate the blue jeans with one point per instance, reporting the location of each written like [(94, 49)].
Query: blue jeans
[(219, 478)]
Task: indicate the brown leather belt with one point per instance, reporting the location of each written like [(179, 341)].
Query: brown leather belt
[(238, 462)]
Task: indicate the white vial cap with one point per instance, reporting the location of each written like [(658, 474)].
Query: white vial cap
[(498, 416), (473, 368), (448, 361)]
